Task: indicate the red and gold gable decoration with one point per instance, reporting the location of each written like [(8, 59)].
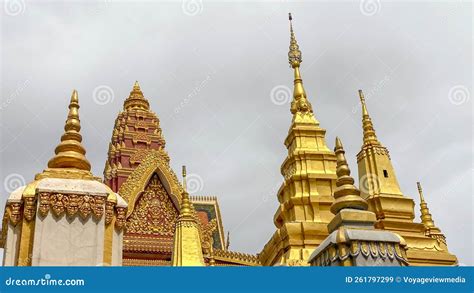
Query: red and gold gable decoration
[(154, 212)]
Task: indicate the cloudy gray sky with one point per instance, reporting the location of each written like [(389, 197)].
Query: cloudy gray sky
[(209, 71)]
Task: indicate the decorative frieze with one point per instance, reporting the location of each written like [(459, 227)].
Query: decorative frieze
[(82, 205), (44, 204), (121, 215), (370, 250), (141, 136), (141, 124), (13, 210), (71, 205), (109, 212), (30, 207), (372, 149), (138, 156)]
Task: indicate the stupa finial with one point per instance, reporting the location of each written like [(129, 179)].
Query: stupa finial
[(300, 103), (70, 153)]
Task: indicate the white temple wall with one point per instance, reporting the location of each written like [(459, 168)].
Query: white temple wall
[(12, 245), (68, 242)]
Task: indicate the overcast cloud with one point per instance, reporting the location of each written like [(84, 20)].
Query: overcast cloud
[(209, 70)]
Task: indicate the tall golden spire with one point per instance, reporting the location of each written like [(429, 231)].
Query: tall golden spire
[(346, 194), (136, 100), (309, 162), (70, 153), (187, 249), (426, 218), (370, 138), (300, 103)]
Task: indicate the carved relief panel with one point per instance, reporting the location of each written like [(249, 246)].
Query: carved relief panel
[(154, 212)]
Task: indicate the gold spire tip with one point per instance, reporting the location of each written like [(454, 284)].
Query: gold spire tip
[(294, 55), (342, 168), (74, 96), (425, 216), (361, 96), (184, 179), (367, 126), (338, 143), (136, 100), (420, 192)]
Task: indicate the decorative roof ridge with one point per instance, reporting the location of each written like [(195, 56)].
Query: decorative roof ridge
[(203, 198), (154, 156), (239, 256)]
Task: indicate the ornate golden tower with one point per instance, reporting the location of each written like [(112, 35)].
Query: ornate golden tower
[(375, 168), (187, 249), (394, 211), (309, 173)]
